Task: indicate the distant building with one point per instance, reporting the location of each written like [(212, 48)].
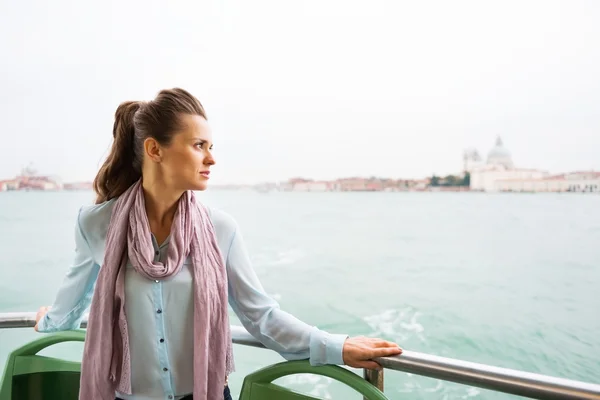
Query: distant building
[(498, 170), (499, 174), (471, 160), (353, 185), (38, 183), (583, 181), (420, 185), (30, 180), (313, 186), (500, 156), (78, 186), (9, 185)]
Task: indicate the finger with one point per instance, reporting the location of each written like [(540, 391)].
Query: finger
[(379, 343), (385, 343), (386, 351), (368, 365)]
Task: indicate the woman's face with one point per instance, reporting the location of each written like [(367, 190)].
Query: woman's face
[(185, 163)]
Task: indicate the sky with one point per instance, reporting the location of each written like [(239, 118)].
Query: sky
[(318, 89)]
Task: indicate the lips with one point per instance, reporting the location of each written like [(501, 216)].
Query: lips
[(205, 174)]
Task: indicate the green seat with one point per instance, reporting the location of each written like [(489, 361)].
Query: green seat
[(259, 386), (29, 376)]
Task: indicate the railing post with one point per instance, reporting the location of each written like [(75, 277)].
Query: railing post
[(374, 377)]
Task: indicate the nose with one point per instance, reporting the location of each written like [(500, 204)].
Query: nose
[(209, 159)]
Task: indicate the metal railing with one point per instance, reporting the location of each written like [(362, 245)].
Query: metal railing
[(498, 379)]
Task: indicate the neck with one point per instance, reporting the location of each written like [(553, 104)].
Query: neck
[(161, 203)]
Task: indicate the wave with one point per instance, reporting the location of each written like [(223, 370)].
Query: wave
[(402, 326), (319, 384), (398, 325)]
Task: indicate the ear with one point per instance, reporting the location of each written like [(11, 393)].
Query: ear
[(152, 150)]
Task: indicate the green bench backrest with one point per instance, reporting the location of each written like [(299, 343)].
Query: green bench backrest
[(259, 386), (29, 376)]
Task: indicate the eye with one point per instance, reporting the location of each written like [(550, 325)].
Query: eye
[(200, 144)]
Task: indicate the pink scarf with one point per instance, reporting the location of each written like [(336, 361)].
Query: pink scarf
[(106, 364)]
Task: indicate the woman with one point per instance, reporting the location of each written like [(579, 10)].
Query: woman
[(159, 269)]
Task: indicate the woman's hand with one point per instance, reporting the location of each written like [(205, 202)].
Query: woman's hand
[(359, 351), (40, 314)]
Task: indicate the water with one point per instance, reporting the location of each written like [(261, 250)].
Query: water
[(509, 279)]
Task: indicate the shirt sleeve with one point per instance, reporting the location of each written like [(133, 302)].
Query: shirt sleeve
[(75, 294), (262, 317)]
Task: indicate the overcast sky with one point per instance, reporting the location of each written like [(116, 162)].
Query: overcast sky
[(321, 88)]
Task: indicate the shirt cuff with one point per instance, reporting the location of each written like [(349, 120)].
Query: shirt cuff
[(326, 348), (43, 326)]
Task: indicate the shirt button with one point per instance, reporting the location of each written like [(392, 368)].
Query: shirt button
[(157, 252), (158, 311), (162, 340), (156, 281), (170, 396), (165, 369)]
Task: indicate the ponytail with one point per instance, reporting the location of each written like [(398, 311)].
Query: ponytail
[(122, 167)]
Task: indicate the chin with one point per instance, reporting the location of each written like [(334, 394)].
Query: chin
[(199, 187), (196, 185)]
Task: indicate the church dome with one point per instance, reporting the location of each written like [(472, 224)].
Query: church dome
[(499, 155)]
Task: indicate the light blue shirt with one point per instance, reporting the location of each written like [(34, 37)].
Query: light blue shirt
[(160, 312)]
